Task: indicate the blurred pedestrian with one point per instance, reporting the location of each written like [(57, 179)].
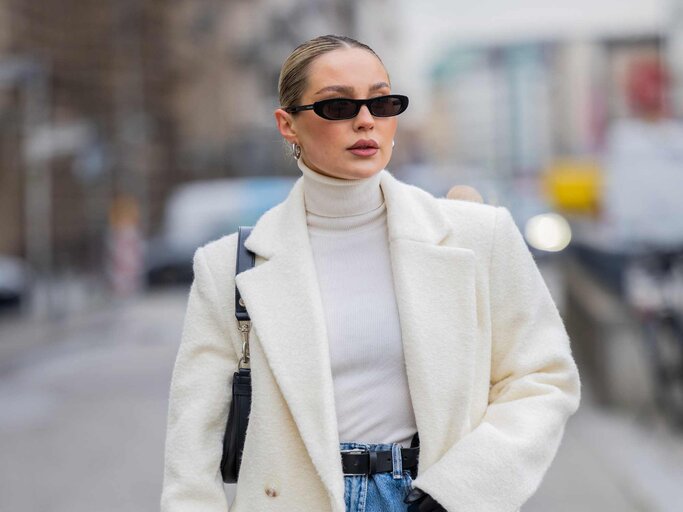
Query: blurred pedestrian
[(378, 311), (125, 251), (644, 166)]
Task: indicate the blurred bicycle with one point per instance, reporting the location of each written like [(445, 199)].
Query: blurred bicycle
[(653, 286)]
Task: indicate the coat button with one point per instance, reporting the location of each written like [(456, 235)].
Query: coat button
[(270, 491)]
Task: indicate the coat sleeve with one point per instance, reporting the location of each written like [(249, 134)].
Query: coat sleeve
[(199, 402), (534, 389)]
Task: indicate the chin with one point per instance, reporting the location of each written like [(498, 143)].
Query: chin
[(364, 169), (353, 169), (360, 173)]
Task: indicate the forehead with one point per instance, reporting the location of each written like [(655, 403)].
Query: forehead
[(353, 67)]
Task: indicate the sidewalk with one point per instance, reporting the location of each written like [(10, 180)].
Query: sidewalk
[(613, 461), (25, 335)]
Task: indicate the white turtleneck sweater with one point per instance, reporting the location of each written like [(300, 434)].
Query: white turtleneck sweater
[(347, 225)]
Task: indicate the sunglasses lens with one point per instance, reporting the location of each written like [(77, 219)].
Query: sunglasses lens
[(339, 109), (387, 106)]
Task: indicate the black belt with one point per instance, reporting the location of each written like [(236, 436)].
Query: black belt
[(359, 462)]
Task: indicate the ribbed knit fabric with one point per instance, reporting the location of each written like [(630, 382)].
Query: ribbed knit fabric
[(347, 224)]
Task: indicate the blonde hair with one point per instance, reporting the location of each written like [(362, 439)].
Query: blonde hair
[(294, 71)]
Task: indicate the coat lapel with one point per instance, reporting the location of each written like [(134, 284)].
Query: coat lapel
[(434, 281), (283, 299), (435, 291)]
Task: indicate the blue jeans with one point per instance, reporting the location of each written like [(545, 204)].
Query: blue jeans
[(379, 492)]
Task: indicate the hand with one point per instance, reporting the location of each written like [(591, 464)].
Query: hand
[(420, 501), (465, 193)]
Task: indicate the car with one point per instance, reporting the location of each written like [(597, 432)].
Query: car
[(14, 282), (201, 211)]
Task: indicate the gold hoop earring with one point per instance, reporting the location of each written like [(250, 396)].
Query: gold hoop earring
[(296, 151)]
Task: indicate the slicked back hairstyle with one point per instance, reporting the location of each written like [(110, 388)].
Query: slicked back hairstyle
[(294, 71)]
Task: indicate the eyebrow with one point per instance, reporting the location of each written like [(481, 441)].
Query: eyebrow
[(347, 89)]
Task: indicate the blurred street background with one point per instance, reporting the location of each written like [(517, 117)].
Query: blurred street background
[(134, 131)]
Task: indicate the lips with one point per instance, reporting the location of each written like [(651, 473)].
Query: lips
[(365, 144)]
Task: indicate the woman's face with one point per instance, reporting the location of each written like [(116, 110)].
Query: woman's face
[(327, 146)]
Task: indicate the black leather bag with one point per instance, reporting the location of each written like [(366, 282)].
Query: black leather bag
[(236, 430), (240, 406)]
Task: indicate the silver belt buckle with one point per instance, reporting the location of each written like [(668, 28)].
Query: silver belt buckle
[(355, 451)]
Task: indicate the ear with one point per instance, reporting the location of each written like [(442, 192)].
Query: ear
[(285, 125)]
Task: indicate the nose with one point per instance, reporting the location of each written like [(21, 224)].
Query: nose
[(364, 120)]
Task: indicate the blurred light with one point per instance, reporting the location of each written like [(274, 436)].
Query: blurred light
[(548, 232)]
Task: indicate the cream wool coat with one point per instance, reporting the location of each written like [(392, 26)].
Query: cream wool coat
[(489, 365)]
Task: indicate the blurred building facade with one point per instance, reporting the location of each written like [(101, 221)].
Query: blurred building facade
[(227, 58), (510, 110), (134, 98), (502, 90), (96, 130)]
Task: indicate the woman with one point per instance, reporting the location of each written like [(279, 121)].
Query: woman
[(377, 312)]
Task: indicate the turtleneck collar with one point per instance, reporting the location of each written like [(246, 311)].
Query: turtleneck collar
[(329, 197)]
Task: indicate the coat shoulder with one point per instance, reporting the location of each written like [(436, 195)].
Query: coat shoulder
[(220, 245), (472, 224), (458, 212), (458, 209), (221, 255), (469, 224)]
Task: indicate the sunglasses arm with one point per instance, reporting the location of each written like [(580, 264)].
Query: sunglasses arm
[(293, 110)]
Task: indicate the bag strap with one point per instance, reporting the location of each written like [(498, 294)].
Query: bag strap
[(245, 260)]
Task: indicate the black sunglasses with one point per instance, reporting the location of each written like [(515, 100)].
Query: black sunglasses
[(344, 108)]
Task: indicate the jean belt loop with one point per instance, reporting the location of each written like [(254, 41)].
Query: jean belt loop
[(397, 461)]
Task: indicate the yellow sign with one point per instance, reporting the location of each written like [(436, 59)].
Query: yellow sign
[(574, 185)]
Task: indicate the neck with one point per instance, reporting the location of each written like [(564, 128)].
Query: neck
[(326, 196)]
